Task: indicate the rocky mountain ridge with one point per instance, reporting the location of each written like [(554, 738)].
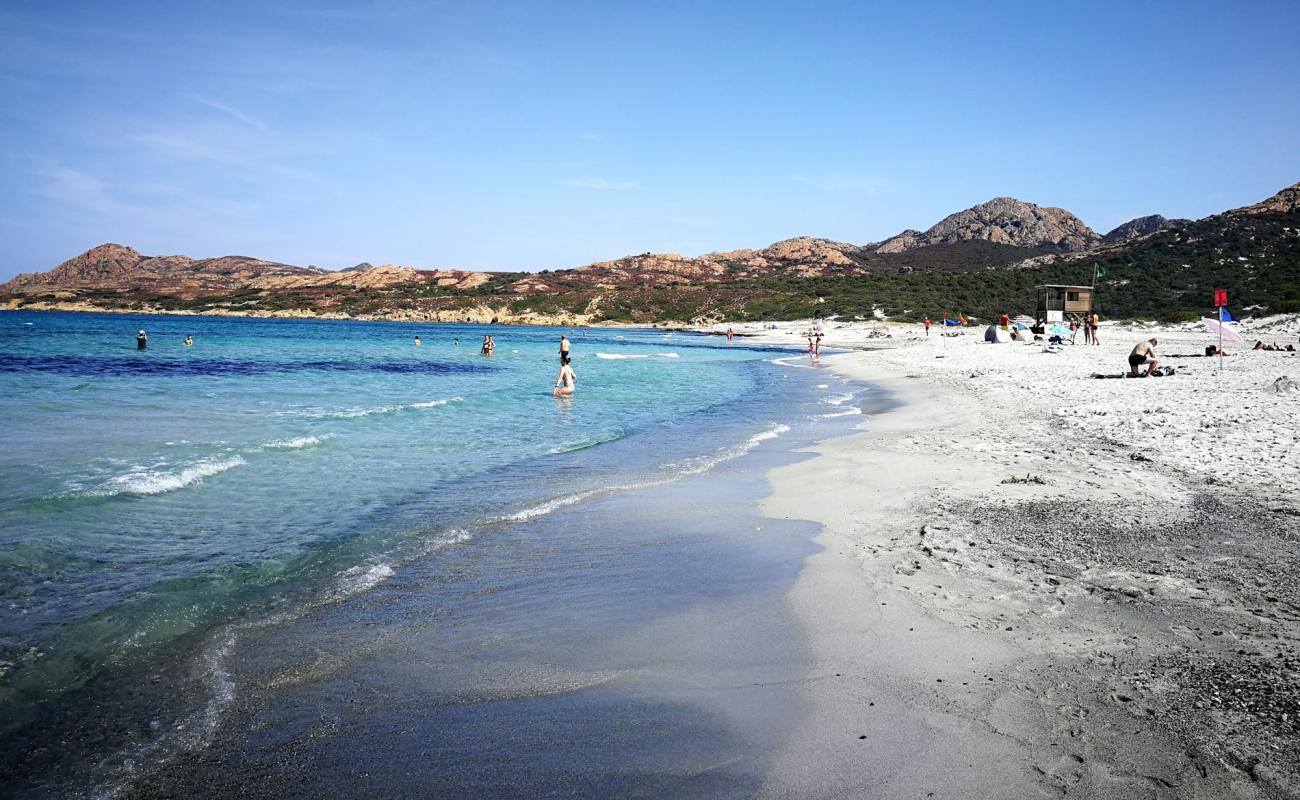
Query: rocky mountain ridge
[(1001, 233)]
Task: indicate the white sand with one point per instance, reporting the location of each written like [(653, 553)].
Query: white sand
[(1129, 627)]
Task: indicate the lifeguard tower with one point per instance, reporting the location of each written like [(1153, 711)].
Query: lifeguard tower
[(1063, 304)]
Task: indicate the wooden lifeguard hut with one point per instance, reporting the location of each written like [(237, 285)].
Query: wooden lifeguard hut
[(1058, 303)]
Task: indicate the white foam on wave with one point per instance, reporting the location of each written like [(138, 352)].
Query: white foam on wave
[(558, 502), (436, 403), (849, 412), (668, 355), (792, 361), (295, 444), (838, 400), (353, 413), (363, 577), (619, 356), (702, 464), (155, 481)]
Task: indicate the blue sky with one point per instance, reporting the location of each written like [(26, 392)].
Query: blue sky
[(494, 135)]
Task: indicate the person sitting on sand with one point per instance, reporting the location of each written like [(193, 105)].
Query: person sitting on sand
[(1143, 353), (566, 381)]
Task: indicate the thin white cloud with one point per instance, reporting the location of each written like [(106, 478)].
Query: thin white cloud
[(600, 184), (79, 189), (230, 111)]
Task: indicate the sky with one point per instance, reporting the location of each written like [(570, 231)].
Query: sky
[(532, 135)]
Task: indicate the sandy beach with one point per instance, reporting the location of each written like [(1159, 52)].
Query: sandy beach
[(1040, 583)]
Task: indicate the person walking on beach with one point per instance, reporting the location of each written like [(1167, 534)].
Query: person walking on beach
[(141, 341), (1093, 325), (1143, 353), (564, 350), (926, 323), (566, 381)]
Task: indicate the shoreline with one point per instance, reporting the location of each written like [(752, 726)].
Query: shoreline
[(970, 643)]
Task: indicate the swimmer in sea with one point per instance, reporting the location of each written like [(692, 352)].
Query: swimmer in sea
[(189, 341), (141, 341), (566, 381), (417, 341)]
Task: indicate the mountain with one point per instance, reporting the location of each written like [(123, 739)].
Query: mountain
[(1002, 220), (1286, 201), (982, 261), (116, 268), (1136, 228)]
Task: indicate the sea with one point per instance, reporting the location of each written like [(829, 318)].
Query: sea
[(315, 559)]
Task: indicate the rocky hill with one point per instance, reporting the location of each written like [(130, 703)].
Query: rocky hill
[(1142, 226), (1002, 220)]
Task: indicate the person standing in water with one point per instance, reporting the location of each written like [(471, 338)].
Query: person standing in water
[(417, 341), (564, 350), (566, 381), (141, 341), (189, 341), (730, 333)]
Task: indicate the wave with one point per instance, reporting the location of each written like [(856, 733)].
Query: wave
[(149, 481), (559, 502), (363, 577), (583, 444), (668, 355), (295, 444), (852, 411), (613, 356), (838, 400), (353, 413), (792, 361)]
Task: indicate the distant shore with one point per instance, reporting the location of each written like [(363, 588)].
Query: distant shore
[(481, 317), (1035, 581)]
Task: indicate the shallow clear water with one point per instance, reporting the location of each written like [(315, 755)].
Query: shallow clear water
[(149, 498)]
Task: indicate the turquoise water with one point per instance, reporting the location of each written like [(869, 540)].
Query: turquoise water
[(148, 498)]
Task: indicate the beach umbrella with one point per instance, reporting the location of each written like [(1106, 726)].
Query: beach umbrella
[(1059, 330), (1222, 329)]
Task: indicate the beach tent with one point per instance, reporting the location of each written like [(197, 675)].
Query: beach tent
[(996, 335)]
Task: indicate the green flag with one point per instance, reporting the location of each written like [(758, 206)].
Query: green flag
[(1101, 272)]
